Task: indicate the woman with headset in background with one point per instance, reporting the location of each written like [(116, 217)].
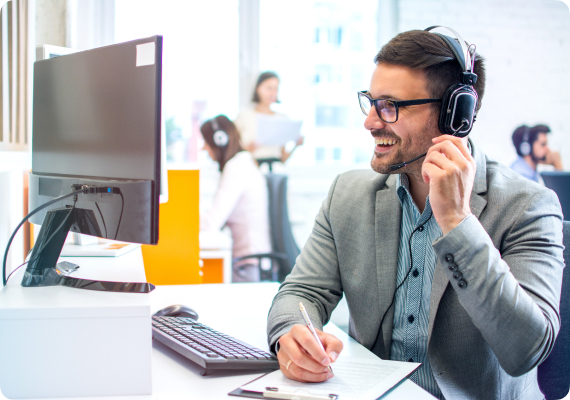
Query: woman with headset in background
[(264, 95), (241, 200)]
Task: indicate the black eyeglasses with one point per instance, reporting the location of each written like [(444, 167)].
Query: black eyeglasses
[(386, 109)]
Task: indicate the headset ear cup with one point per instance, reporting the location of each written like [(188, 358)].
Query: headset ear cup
[(457, 107), (525, 148), (221, 138)]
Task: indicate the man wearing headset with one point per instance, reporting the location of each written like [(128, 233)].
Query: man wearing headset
[(445, 258), (532, 149)]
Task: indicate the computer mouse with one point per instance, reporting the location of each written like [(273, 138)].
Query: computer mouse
[(177, 310)]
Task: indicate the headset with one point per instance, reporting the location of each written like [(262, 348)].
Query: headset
[(459, 102), (221, 138), (525, 148)]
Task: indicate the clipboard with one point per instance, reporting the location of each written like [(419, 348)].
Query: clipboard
[(275, 393), (355, 378)]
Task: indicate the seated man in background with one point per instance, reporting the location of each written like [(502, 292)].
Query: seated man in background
[(454, 262), (532, 149)]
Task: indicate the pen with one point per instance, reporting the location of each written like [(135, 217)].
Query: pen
[(312, 328)]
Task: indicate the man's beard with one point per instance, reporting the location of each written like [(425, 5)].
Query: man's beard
[(416, 145)]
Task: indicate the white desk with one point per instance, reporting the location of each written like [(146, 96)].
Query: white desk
[(239, 310)]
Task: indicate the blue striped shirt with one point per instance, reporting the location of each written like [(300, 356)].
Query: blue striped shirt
[(411, 313)]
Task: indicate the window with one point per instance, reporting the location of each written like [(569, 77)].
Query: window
[(322, 63), (200, 62)]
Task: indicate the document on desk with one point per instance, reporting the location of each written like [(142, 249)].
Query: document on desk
[(354, 379)]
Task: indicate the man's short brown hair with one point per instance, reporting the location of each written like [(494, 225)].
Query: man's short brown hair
[(427, 51)]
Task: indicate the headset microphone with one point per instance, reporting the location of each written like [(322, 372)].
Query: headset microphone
[(395, 167)]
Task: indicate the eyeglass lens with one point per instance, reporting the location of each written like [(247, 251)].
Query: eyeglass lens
[(386, 107)]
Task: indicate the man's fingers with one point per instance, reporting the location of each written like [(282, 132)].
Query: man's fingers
[(299, 374), (459, 143), (439, 160), (451, 151), (307, 341), (301, 357), (293, 350), (430, 171), (333, 346), (293, 359)]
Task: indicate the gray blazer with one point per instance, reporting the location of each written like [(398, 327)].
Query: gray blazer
[(488, 329)]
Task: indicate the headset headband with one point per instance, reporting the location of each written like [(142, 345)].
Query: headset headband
[(462, 53)]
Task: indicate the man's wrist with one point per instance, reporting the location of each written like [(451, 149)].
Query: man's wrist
[(448, 225)]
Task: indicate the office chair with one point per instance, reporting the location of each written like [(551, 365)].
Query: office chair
[(268, 161), (285, 249), (554, 372), (559, 181)]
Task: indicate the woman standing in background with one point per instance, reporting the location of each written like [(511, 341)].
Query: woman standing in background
[(264, 95), (241, 201)]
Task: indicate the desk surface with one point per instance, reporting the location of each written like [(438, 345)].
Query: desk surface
[(239, 310)]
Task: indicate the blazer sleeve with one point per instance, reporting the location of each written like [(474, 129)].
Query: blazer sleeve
[(511, 295), (315, 280)]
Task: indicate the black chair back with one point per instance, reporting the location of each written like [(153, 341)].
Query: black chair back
[(281, 233), (554, 372), (559, 181)]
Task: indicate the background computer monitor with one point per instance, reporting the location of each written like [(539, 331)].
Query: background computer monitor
[(96, 124)]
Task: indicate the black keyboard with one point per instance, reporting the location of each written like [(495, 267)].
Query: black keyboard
[(210, 349)]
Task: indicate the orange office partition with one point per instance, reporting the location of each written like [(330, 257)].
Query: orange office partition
[(174, 260)]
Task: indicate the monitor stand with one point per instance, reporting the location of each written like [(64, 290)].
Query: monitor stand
[(44, 270)]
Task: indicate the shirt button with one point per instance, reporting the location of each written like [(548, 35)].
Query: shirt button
[(421, 229), (457, 275), (449, 258), (416, 272), (462, 284), (411, 319), (411, 360), (453, 267)]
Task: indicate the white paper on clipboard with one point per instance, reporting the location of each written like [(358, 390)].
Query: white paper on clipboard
[(273, 131), (354, 379)]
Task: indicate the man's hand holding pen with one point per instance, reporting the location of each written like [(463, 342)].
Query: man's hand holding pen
[(302, 359)]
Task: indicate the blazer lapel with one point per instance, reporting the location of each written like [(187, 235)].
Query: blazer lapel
[(387, 238), (477, 203)]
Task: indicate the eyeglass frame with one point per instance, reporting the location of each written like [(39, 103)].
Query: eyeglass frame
[(396, 103)]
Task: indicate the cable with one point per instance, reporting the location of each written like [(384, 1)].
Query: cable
[(405, 277), (45, 242), (102, 219), (49, 203), (121, 216)]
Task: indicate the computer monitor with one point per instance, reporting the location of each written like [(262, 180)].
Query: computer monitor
[(47, 51), (96, 127)]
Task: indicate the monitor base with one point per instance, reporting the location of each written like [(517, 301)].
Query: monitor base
[(43, 270)]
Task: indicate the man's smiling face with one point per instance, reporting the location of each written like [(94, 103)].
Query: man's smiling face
[(410, 136)]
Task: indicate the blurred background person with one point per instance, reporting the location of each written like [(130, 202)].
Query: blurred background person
[(241, 200), (531, 144), (264, 95)]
